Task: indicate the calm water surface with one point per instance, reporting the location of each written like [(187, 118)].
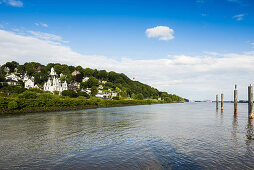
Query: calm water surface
[(168, 136)]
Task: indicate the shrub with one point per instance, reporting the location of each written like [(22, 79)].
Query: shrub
[(116, 98), (69, 93), (12, 89), (84, 94), (46, 96), (168, 100), (36, 90), (139, 96), (12, 105), (28, 95)]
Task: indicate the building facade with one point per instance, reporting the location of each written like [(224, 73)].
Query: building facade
[(54, 83)]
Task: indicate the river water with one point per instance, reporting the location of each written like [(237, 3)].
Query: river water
[(162, 136)]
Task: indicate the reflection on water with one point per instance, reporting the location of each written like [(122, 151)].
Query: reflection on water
[(249, 136), (168, 136)]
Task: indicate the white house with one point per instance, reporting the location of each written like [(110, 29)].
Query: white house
[(54, 83), (103, 82), (85, 79), (113, 94), (29, 83), (99, 95), (12, 76), (100, 87), (87, 90)]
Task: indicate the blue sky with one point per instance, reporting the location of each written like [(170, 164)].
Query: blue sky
[(117, 29)]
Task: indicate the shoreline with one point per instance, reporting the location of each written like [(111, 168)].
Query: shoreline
[(63, 108)]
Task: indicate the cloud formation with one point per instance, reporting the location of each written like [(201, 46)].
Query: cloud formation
[(239, 17), (41, 24), (14, 3), (252, 44), (160, 32), (193, 77), (46, 36)]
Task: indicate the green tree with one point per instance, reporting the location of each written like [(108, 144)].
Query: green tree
[(79, 68), (69, 93), (92, 81), (103, 74), (71, 68), (28, 95), (12, 105), (88, 72), (79, 77), (94, 91), (58, 69), (82, 93), (140, 96), (2, 78), (12, 65), (168, 100)]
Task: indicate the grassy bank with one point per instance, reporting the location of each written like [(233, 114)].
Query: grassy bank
[(20, 105)]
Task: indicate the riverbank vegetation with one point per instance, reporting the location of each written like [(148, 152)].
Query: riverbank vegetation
[(127, 91), (13, 98)]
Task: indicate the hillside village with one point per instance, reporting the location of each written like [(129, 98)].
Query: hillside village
[(54, 83), (75, 81)]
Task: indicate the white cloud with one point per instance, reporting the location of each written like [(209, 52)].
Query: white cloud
[(14, 3), (252, 44), (160, 32), (239, 17), (41, 24), (46, 36), (189, 76)]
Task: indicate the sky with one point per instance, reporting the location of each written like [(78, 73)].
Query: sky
[(193, 48)]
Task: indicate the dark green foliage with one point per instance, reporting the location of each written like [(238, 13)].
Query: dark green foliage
[(103, 75), (30, 68), (88, 72), (92, 81), (46, 96), (28, 95), (7, 103), (94, 91), (139, 96), (2, 78), (36, 90), (12, 105), (81, 93), (12, 89), (116, 98), (168, 100), (71, 68), (79, 77), (69, 93), (11, 65)]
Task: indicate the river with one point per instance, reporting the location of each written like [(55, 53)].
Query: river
[(161, 136)]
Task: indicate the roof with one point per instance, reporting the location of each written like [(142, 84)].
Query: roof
[(75, 72), (38, 68)]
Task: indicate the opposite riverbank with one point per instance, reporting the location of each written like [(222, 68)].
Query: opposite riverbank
[(17, 105)]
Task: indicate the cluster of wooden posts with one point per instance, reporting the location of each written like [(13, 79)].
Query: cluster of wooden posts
[(250, 101)]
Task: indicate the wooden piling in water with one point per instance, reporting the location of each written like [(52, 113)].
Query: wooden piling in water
[(250, 98), (217, 102), (235, 99), (222, 101)]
